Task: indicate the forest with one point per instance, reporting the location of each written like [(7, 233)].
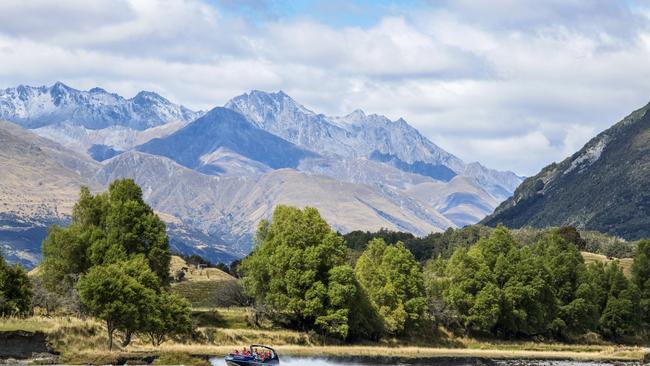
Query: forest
[(495, 283)]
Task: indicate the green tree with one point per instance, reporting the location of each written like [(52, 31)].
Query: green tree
[(500, 288), (170, 316), (527, 301), (528, 304), (468, 275), (365, 321), (298, 272), (572, 235), (621, 315), (444, 244), (15, 289), (641, 278), (393, 280), (597, 278), (435, 284), (65, 256), (106, 228), (578, 310), (122, 294)]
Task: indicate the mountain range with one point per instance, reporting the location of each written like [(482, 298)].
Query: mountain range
[(601, 187), (213, 175)]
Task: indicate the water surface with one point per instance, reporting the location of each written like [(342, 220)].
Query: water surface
[(315, 361)]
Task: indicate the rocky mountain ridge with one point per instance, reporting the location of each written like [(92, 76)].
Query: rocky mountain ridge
[(602, 187), (361, 136), (34, 107)]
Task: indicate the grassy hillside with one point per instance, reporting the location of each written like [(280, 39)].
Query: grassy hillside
[(196, 275), (625, 263), (201, 287)]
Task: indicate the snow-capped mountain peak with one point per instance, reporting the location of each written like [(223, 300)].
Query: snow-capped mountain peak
[(260, 107), (366, 136), (356, 135), (34, 107), (356, 114), (150, 96)]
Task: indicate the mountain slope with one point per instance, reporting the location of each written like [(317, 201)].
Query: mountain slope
[(34, 107), (461, 200), (223, 128), (601, 187), (119, 138), (38, 178), (39, 183), (230, 207)]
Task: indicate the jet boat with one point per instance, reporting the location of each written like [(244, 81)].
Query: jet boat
[(255, 355)]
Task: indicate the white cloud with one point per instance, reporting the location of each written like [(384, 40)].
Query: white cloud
[(512, 85)]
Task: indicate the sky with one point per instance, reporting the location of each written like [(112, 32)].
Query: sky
[(514, 84)]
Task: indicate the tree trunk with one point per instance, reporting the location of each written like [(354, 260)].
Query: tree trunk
[(127, 338), (109, 326)]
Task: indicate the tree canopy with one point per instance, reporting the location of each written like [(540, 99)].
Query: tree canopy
[(122, 294), (641, 278), (15, 289), (299, 274), (502, 288), (115, 255), (106, 228), (393, 280)]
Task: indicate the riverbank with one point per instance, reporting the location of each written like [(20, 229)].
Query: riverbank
[(83, 341)]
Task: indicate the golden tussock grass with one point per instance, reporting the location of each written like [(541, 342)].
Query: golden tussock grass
[(196, 275), (84, 341), (625, 263)]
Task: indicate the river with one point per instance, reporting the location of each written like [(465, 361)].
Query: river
[(300, 361)]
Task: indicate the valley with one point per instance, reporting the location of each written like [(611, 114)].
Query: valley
[(348, 183), (214, 175)]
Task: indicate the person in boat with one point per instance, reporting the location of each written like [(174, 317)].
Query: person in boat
[(256, 355)]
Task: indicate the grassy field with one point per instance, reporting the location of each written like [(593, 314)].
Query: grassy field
[(198, 275), (230, 318), (200, 294), (626, 263)]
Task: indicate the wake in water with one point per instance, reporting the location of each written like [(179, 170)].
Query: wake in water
[(288, 361), (300, 361), (312, 361)]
